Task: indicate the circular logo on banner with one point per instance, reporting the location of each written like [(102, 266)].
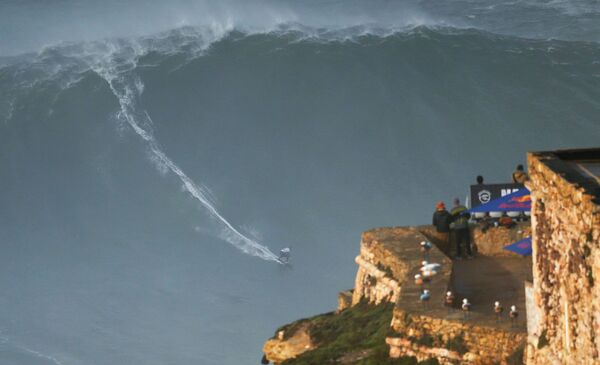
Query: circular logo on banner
[(484, 196)]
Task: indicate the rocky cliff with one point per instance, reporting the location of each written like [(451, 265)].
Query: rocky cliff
[(365, 329), (566, 254)]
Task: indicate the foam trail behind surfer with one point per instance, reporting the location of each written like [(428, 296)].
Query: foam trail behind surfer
[(127, 88)]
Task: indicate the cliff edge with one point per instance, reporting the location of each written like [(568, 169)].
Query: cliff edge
[(382, 320)]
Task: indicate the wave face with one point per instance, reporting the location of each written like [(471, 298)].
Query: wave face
[(128, 89), (126, 163)]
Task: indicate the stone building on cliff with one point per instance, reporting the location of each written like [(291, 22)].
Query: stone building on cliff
[(564, 305)]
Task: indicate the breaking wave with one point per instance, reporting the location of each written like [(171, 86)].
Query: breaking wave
[(127, 96), (119, 61), (115, 61), (127, 88)]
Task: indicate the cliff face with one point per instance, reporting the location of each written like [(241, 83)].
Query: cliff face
[(451, 341), (383, 266), (388, 260), (566, 254), (353, 335), (284, 347)]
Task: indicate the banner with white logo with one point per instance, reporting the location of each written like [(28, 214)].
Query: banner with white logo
[(484, 193)]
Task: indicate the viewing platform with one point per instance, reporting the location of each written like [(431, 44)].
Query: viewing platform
[(389, 259), (432, 329)]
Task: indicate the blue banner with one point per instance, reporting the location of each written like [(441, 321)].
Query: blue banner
[(485, 193), (522, 247), (519, 201)]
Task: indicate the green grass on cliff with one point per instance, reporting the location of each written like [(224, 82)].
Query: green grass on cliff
[(354, 336)]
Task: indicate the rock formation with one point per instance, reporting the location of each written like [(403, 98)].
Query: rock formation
[(387, 263), (566, 256)]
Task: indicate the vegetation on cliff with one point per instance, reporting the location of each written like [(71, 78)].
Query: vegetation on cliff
[(354, 336)]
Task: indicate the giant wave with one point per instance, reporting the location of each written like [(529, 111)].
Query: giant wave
[(303, 133)]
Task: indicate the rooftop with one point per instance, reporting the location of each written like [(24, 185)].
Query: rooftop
[(580, 167)]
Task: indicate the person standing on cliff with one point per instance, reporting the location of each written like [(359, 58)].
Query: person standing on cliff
[(441, 218), (460, 227), (441, 222), (520, 176)]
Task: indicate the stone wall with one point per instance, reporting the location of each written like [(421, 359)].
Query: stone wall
[(534, 314), (452, 342), (388, 261), (373, 282), (488, 243), (566, 267), (380, 269), (492, 241)]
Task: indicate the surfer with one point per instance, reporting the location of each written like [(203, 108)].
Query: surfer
[(284, 255)]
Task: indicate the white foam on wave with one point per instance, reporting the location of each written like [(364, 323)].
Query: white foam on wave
[(571, 7), (251, 16), (116, 69)]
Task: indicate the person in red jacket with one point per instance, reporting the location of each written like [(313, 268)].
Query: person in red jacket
[(441, 218), (441, 222)]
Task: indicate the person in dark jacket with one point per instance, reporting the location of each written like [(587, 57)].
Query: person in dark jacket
[(441, 218), (486, 222), (441, 222), (460, 227), (520, 176)]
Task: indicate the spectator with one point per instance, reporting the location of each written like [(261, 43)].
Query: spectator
[(506, 221), (441, 222), (513, 314), (418, 279), (441, 218), (479, 180), (449, 300), (466, 307), (486, 222), (498, 310), (460, 227), (520, 176)]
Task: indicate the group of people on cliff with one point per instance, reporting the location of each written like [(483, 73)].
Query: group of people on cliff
[(453, 226)]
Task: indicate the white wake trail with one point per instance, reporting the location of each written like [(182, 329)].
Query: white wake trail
[(40, 355), (127, 96), (6, 341)]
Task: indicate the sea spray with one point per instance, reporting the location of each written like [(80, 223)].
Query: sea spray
[(127, 90)]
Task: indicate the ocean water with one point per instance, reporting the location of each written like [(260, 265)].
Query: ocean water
[(155, 157)]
